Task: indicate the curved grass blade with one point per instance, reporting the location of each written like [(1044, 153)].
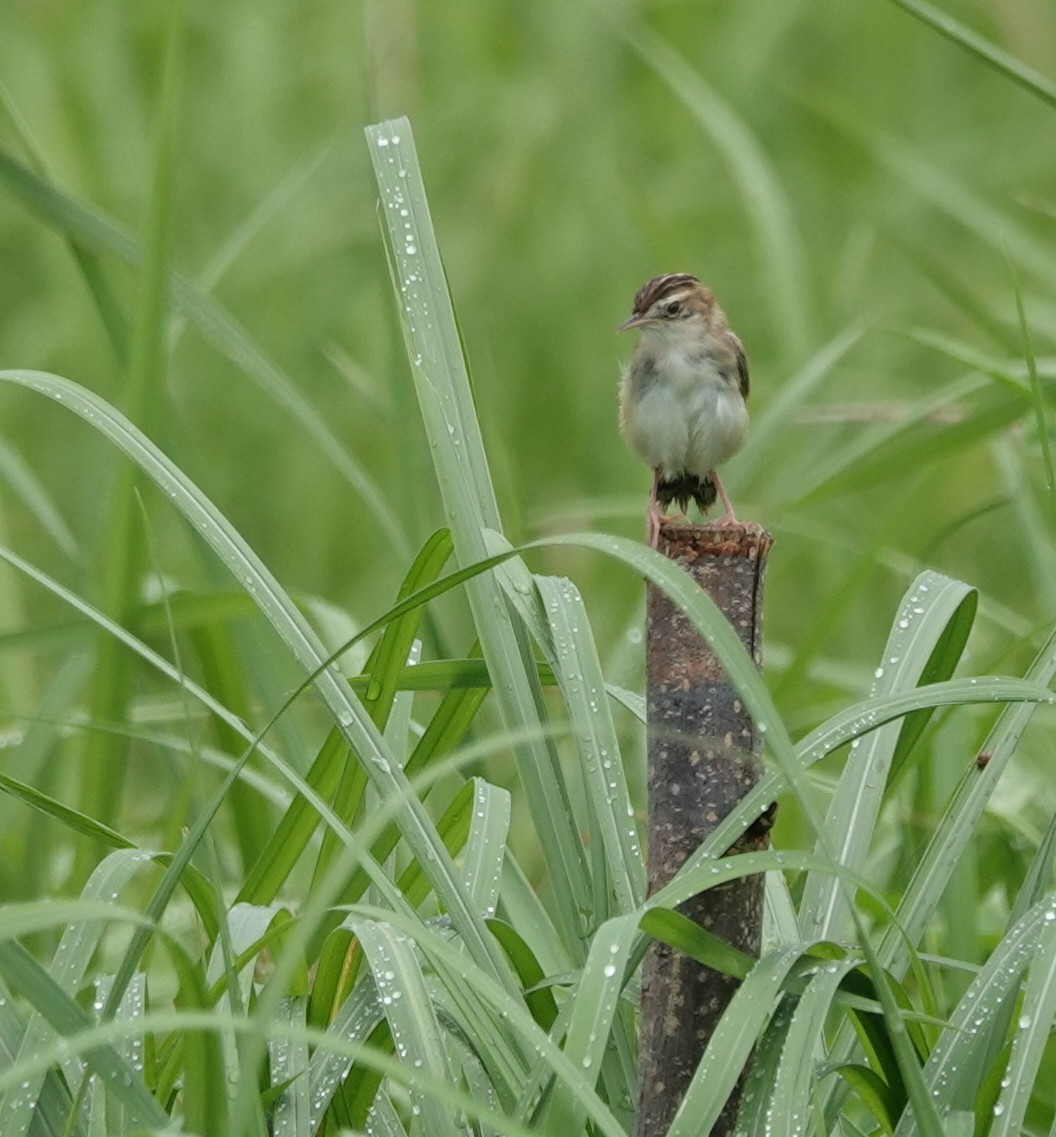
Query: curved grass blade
[(356, 1020), (594, 1005), (387, 662), (1041, 413), (90, 228), (52, 1110), (393, 648), (98, 1039), (485, 845), (730, 1045), (1032, 1033), (959, 1060), (1009, 372), (296, 826), (874, 1092), (888, 450), (1000, 230), (992, 55), (716, 631), (27, 487), (957, 825), (755, 1116), (66, 1018), (412, 1019), (619, 879), (72, 819), (245, 927), (291, 626), (288, 1061), (73, 955), (925, 642), (446, 402), (503, 1031), (804, 1043), (537, 994)]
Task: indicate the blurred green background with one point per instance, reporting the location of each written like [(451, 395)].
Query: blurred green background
[(861, 194)]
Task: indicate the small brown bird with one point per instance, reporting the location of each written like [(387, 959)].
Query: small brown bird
[(682, 397)]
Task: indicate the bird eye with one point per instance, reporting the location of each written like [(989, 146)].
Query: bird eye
[(673, 309)]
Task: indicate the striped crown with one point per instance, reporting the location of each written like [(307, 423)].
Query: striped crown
[(661, 287)]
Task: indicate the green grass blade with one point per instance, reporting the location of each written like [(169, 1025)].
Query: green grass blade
[(678, 931), (110, 309), (729, 1047), (1010, 372), (956, 828), (992, 55), (89, 227), (861, 719), (804, 1043), (19, 920), (446, 402), (78, 945), (755, 1116), (25, 485), (243, 931), (932, 606), (217, 655), (958, 823), (1032, 1033), (539, 1001), (291, 626), (412, 1019), (485, 846), (130, 1048), (387, 662), (578, 671), (1036, 881), (288, 1061), (594, 1006), (120, 556), (52, 1108), (72, 819), (65, 1017), (950, 196), (959, 1060), (391, 654), (875, 1093), (1041, 413), (354, 1022), (295, 828), (921, 437)]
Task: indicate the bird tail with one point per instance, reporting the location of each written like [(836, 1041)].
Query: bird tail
[(686, 487)]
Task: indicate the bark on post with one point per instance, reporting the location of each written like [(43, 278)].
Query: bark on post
[(703, 757)]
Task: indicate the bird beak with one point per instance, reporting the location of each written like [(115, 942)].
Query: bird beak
[(638, 320)]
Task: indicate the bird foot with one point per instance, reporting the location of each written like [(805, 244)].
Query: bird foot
[(655, 518)]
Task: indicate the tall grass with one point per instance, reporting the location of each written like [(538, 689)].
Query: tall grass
[(320, 808)]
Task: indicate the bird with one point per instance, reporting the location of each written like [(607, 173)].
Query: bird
[(683, 395)]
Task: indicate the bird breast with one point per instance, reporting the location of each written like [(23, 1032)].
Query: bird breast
[(682, 412)]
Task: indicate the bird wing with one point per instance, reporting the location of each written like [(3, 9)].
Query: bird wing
[(741, 361)]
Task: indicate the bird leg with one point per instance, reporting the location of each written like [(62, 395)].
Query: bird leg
[(653, 515), (728, 518)]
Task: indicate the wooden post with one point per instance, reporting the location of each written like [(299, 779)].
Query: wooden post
[(703, 757)]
